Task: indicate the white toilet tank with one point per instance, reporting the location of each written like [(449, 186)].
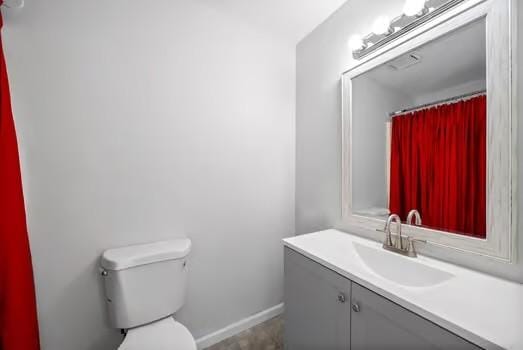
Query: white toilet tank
[(145, 283)]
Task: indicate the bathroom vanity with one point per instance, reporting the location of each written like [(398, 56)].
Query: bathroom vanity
[(428, 126), (345, 292)]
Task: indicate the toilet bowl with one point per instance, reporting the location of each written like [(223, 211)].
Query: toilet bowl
[(144, 286), (166, 334)]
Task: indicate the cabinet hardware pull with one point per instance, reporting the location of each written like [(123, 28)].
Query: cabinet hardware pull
[(341, 298), (355, 307)]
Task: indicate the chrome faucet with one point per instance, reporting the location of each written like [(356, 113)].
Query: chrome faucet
[(388, 235), (411, 251), (414, 213), (401, 245)]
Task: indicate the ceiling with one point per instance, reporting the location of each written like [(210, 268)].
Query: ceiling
[(292, 20), (451, 60)]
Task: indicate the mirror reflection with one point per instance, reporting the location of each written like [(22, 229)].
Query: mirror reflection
[(419, 135)]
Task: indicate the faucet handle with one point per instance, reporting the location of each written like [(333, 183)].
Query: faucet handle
[(411, 250), (388, 236)]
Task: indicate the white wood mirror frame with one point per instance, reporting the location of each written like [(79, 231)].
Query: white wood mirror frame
[(501, 129)]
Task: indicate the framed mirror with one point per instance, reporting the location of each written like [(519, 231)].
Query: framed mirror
[(429, 125)]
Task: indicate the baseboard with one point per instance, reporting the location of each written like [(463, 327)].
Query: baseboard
[(239, 327)]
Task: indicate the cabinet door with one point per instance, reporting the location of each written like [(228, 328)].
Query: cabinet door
[(317, 306), (378, 323)]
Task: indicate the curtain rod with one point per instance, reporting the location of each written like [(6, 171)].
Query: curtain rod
[(14, 4), (440, 102)]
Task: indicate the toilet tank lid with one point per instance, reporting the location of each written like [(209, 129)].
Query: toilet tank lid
[(142, 254)]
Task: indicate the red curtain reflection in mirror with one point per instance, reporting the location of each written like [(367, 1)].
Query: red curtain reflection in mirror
[(438, 166)]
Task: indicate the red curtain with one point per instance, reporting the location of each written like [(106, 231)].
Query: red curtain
[(438, 166), (18, 318)]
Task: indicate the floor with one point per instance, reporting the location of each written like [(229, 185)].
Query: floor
[(265, 336)]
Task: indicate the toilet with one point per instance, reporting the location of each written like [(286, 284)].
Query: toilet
[(144, 286)]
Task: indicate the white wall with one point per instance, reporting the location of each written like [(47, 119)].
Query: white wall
[(143, 121), (321, 58), (461, 89), (372, 104)]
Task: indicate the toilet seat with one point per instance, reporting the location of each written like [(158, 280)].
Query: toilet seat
[(166, 334)]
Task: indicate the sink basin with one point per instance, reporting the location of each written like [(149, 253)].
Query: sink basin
[(399, 269)]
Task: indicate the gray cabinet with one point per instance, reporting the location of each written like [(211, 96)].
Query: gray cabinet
[(317, 306), (378, 323), (326, 311)]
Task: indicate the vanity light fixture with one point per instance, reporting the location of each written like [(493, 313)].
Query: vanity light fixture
[(415, 13), (381, 26), (414, 8), (356, 43)]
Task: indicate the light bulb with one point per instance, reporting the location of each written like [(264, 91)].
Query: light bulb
[(355, 43), (413, 7), (381, 25)]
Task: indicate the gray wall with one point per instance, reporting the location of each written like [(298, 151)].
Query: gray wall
[(139, 122), (321, 58)]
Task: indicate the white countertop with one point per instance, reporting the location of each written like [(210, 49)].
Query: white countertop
[(483, 309)]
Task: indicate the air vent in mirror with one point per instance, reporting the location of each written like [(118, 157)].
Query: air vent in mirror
[(405, 61)]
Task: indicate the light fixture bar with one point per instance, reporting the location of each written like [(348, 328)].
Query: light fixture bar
[(373, 42)]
